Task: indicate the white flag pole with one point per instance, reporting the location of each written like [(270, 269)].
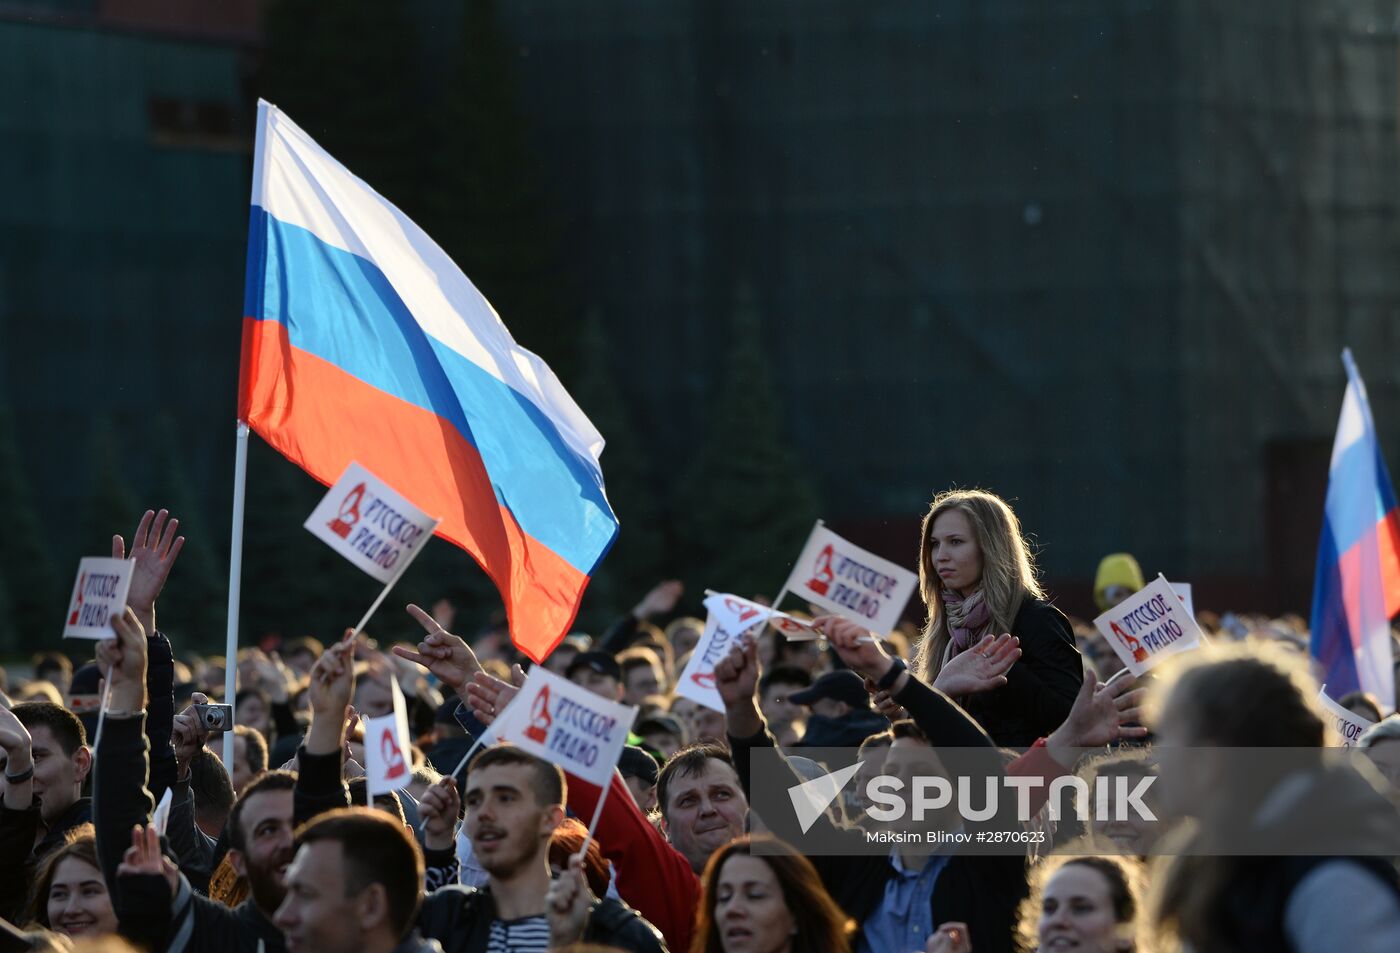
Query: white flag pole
[(375, 605), (782, 593), (397, 576), (235, 577), (597, 813)]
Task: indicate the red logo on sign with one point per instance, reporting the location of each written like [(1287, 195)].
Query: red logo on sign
[(393, 757), (349, 513), (704, 679), (77, 606), (1130, 643), (822, 576), (746, 612), (540, 719)]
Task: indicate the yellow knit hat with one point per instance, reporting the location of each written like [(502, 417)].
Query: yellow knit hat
[(1119, 569)]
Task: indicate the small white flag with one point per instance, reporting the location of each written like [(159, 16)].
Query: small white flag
[(1349, 725), (160, 817), (364, 520), (1151, 625), (840, 576), (388, 755), (568, 725), (731, 621)]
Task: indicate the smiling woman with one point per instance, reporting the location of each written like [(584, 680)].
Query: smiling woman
[(1089, 904), (977, 578), (70, 896)]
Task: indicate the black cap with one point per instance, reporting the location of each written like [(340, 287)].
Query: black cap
[(601, 662), (654, 723), (637, 763), (85, 680), (843, 686)]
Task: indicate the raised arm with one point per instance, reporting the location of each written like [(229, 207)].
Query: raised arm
[(320, 784), (19, 813), (154, 549), (120, 800), (661, 599), (448, 657), (194, 850)]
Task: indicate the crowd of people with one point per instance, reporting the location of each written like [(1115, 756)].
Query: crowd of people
[(283, 848)]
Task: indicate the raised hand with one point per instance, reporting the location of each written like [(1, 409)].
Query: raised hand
[(1101, 714), (122, 662), (949, 938), (259, 670), (736, 675), (154, 548), (439, 807), (331, 686), (144, 857), (567, 904), (487, 696), (188, 734), (736, 680), (981, 668), (445, 655), (884, 701), (856, 645), (19, 759), (660, 600)]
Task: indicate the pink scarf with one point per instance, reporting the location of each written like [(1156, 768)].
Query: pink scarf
[(968, 619)]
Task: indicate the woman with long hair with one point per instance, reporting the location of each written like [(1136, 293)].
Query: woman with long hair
[(70, 896), (771, 901), (1220, 887), (977, 578), (1091, 904)]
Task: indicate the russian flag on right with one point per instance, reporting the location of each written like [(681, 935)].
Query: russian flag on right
[(1357, 589)]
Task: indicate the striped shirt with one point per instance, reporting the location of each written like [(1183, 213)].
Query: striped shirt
[(526, 935)]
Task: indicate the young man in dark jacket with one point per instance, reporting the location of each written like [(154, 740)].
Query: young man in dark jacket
[(514, 802)]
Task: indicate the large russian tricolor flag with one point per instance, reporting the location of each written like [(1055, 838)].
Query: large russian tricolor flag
[(1357, 589), (363, 341)]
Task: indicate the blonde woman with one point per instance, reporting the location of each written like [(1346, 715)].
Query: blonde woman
[(978, 580)]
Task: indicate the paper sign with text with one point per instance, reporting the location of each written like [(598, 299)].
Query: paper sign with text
[(388, 748), (99, 594), (364, 520), (697, 681), (568, 725), (1347, 724), (1150, 626), (851, 582)]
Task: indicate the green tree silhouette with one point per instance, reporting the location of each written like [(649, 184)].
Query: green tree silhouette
[(635, 562), (488, 210), (746, 506), (112, 506), (346, 72), (26, 564), (193, 607)]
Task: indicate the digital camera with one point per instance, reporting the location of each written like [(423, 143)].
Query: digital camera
[(214, 717)]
